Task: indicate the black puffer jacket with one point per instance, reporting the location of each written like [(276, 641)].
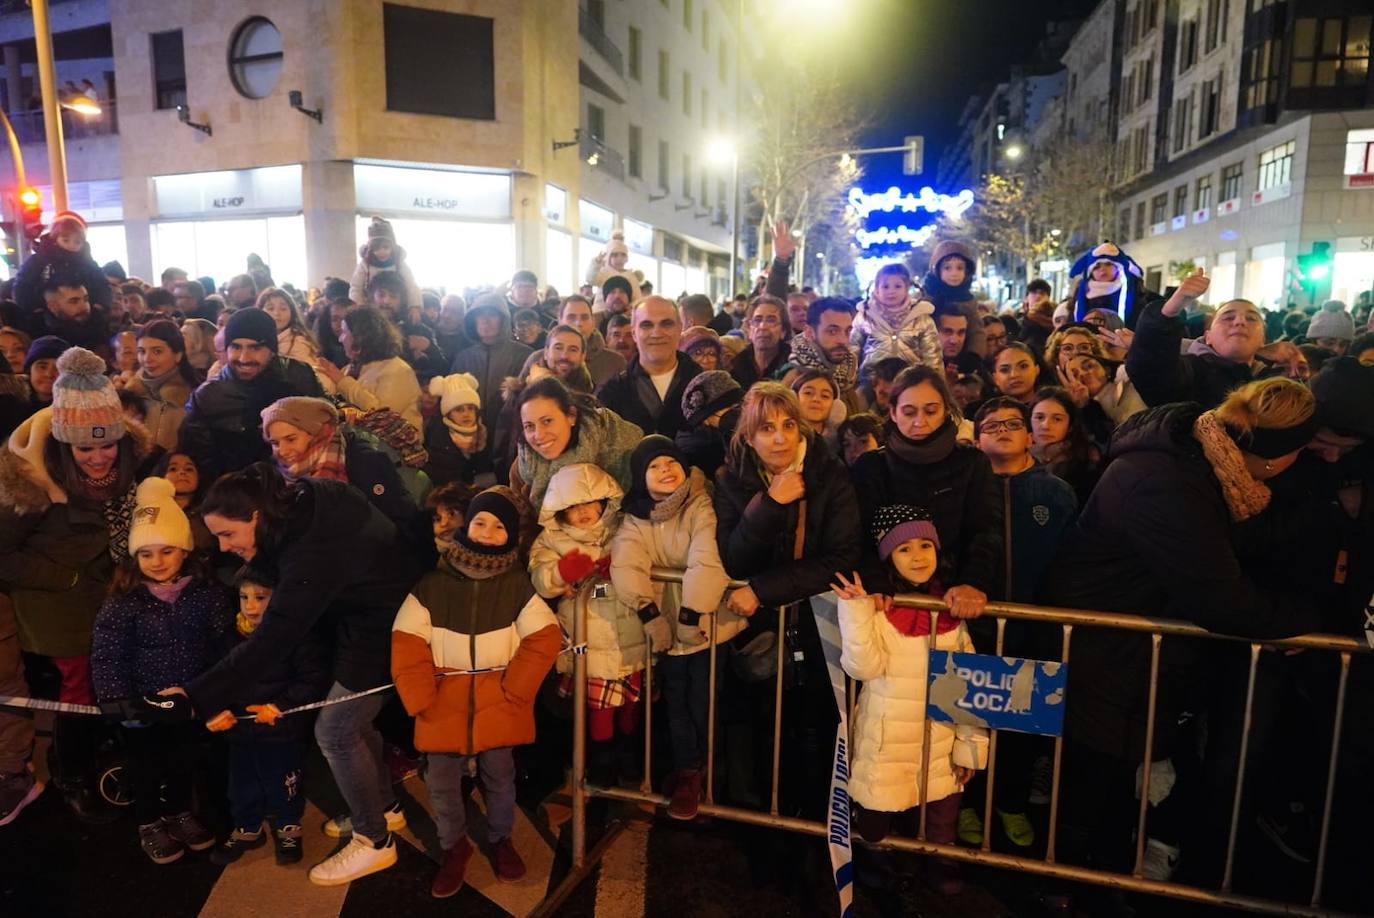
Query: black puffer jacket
[(1162, 374), (963, 497), (222, 427), (756, 534), (625, 394), (51, 260), (1155, 539), (342, 573)]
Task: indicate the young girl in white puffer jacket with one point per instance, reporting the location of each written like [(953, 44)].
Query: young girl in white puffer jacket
[(579, 517), (889, 653)]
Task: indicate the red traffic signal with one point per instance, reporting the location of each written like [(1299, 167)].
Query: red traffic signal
[(30, 199), (31, 213)]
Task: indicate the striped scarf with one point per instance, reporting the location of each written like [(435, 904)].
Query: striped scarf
[(324, 458), (806, 354)]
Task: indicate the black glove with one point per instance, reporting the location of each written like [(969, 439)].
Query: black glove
[(163, 709)]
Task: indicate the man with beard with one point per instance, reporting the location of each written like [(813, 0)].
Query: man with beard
[(222, 428), (824, 345), (564, 355), (649, 391), (68, 314), (616, 295), (765, 322), (241, 292), (620, 338), (602, 363)]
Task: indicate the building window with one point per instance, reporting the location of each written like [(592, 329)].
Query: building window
[(1260, 74), (1202, 195), (255, 58), (1215, 31), (687, 176), (1140, 220), (635, 45), (706, 30), (1359, 152), (1123, 225), (1151, 14), (663, 161), (1159, 208), (169, 69), (419, 43), (1230, 181), (723, 67), (636, 165), (664, 77), (1147, 83), (705, 104), (687, 15), (687, 92), (596, 12), (1183, 122), (1187, 46), (596, 122), (1209, 115), (1276, 166), (1180, 200), (1330, 52), (703, 197)]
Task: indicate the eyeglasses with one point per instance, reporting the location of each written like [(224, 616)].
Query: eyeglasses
[(1010, 425), (765, 321), (1085, 348)]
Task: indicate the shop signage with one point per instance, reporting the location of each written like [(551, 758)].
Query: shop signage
[(1003, 693), (401, 190), (597, 221), (1355, 244), (270, 189), (639, 237), (1363, 180)]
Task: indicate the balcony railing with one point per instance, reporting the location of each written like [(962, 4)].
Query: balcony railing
[(28, 125), (596, 154), (591, 30)]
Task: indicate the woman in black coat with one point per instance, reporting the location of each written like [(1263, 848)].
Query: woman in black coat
[(1156, 539), (921, 464), (786, 521), (342, 573)]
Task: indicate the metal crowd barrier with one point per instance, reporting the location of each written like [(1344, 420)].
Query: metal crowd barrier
[(1049, 866)]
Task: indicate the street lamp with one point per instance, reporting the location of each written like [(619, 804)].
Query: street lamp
[(1015, 151), (719, 151)]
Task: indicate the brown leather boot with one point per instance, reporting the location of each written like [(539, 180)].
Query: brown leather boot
[(449, 879)]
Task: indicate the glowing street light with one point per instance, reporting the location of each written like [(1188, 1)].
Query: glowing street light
[(83, 106), (1015, 151), (720, 151)]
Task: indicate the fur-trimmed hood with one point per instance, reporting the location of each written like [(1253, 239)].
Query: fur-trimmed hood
[(25, 485)]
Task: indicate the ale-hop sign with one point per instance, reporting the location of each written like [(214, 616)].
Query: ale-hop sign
[(1002, 693)]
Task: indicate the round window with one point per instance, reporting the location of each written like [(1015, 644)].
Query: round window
[(255, 58)]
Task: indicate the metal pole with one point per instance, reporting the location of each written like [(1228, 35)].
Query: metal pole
[(579, 762), (1246, 722), (734, 164), (777, 710), (990, 774), (1058, 765), (1331, 780), (711, 716), (1155, 640), (21, 244), (52, 115), (924, 690)]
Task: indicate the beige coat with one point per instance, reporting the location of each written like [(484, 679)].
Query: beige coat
[(163, 407), (686, 539), (389, 383), (615, 638), (889, 719)]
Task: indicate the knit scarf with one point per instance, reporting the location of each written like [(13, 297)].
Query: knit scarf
[(168, 591), (474, 564), (806, 354), (932, 449), (1245, 497), (154, 384), (119, 514), (469, 440), (672, 505), (323, 458)]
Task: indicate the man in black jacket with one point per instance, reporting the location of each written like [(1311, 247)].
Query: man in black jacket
[(1223, 360), (765, 322), (69, 314), (222, 430), (649, 391)]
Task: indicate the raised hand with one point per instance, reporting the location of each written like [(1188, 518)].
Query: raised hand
[(783, 243), (787, 487), (1074, 384), (1189, 289), (849, 589)]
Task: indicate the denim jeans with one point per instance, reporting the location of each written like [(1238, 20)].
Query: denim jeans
[(265, 781), (353, 748), (444, 776), (686, 695)]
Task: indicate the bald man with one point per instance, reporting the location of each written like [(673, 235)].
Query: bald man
[(648, 392)]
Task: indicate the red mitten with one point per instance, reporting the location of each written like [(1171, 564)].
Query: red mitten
[(603, 567), (575, 565)]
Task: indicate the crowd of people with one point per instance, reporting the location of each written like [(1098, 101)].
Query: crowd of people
[(220, 503)]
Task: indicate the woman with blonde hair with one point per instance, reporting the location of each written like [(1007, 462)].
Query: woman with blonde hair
[(199, 335), (1156, 540)]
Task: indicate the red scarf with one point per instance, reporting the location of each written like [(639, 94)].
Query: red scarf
[(913, 622)]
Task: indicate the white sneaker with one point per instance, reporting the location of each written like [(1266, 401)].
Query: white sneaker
[(1161, 860), (342, 826), (357, 859)]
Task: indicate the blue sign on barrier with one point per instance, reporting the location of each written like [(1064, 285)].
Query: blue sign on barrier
[(1004, 693)]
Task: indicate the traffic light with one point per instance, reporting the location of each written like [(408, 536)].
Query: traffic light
[(30, 215), (1316, 265), (10, 242)]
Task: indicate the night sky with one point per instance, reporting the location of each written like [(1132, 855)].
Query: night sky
[(933, 55)]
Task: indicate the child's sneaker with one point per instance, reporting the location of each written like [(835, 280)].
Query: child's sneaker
[(970, 829), (159, 844), (234, 847), (287, 840), (186, 828), (17, 791), (449, 879), (686, 796), (342, 826), (360, 857), (1018, 829), (505, 860)]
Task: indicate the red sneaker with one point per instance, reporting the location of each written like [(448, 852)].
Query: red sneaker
[(686, 795), (449, 879), (505, 860)]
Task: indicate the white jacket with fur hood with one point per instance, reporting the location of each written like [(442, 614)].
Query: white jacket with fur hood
[(616, 647), (680, 533)]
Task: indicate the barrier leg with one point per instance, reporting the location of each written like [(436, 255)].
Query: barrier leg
[(992, 758), (777, 709), (925, 738), (1331, 780), (1240, 769), (1155, 641), (711, 719), (1058, 766), (579, 763)]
